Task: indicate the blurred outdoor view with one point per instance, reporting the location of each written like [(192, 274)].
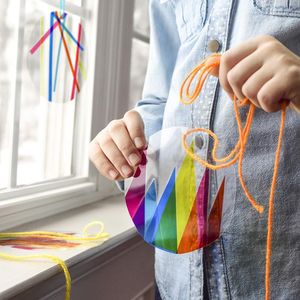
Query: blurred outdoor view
[(140, 51), (35, 136), (44, 135), (8, 42)]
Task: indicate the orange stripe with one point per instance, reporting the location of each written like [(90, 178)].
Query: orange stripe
[(68, 54)]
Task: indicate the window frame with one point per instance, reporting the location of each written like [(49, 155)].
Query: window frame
[(109, 51)]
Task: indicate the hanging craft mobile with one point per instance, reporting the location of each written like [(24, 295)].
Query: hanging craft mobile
[(168, 197), (63, 57)]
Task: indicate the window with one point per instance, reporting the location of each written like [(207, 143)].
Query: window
[(37, 136), (44, 145)]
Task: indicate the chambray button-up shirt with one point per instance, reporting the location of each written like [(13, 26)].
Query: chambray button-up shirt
[(182, 34)]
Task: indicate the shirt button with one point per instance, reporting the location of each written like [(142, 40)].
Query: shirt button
[(199, 141), (214, 46)]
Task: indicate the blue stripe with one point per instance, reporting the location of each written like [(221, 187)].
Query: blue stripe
[(69, 33), (152, 229), (150, 203)]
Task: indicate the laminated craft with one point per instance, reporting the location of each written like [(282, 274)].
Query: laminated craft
[(168, 197), (57, 58)]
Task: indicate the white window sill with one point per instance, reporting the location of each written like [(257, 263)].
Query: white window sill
[(18, 276)]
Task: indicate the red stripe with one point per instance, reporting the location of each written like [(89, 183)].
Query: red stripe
[(76, 62), (44, 37), (68, 54)]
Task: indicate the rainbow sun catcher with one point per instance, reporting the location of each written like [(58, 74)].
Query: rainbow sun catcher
[(58, 51), (168, 197)]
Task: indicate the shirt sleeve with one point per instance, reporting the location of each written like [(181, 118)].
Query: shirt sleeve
[(164, 45)]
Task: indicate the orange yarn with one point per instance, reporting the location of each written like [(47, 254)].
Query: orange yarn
[(200, 74)]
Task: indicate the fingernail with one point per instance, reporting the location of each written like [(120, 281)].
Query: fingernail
[(139, 142), (113, 174), (126, 170), (134, 159)]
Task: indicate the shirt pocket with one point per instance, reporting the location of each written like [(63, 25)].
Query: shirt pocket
[(190, 17), (283, 8)]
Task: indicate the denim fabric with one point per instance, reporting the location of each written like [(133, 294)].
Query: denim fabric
[(235, 263)]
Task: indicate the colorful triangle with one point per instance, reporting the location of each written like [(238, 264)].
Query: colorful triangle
[(150, 203), (136, 191), (194, 235), (215, 215), (153, 226), (185, 193), (139, 218), (166, 236), (202, 201)]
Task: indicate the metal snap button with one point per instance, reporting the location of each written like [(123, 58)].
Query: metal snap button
[(214, 46), (199, 141)]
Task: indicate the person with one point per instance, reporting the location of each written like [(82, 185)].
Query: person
[(260, 45)]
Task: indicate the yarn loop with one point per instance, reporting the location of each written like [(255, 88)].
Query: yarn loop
[(189, 92)]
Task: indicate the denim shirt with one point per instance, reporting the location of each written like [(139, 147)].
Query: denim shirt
[(234, 265)]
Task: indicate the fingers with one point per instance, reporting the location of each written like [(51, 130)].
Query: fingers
[(271, 94), (114, 155), (262, 70), (101, 162), (254, 83), (120, 136), (242, 71), (116, 150), (231, 58), (135, 127)]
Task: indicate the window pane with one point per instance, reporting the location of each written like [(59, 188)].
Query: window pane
[(46, 128), (141, 17), (8, 41), (139, 61), (76, 2)]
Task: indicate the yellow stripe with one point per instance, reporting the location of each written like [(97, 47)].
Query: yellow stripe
[(185, 187)]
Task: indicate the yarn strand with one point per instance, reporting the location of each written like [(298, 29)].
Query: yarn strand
[(271, 203), (197, 77), (86, 238), (53, 258)]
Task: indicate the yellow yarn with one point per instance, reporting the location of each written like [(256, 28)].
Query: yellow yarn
[(55, 259), (100, 236)]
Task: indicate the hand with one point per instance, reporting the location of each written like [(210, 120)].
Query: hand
[(115, 151), (262, 70)]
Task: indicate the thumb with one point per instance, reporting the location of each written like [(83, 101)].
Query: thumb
[(215, 70)]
